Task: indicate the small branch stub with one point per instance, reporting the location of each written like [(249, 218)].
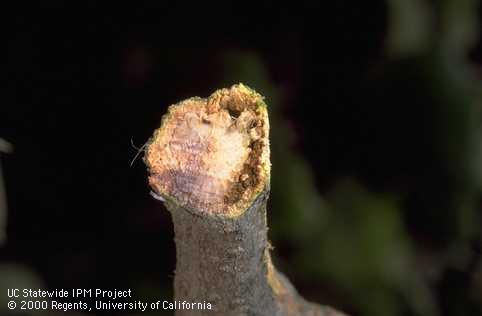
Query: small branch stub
[(209, 162)]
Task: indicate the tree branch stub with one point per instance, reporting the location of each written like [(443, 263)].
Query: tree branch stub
[(209, 161)]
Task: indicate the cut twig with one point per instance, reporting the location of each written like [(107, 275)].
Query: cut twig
[(209, 161)]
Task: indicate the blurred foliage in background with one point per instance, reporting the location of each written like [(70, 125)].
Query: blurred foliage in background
[(384, 217)]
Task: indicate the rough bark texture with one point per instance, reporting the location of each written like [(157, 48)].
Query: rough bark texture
[(222, 247)]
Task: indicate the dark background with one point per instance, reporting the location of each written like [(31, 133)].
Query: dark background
[(376, 136)]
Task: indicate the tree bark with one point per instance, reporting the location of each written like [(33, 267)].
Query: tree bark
[(209, 162)]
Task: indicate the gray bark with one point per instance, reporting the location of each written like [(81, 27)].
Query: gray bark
[(226, 262)]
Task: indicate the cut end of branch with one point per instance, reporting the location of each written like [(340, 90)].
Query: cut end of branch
[(212, 155)]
